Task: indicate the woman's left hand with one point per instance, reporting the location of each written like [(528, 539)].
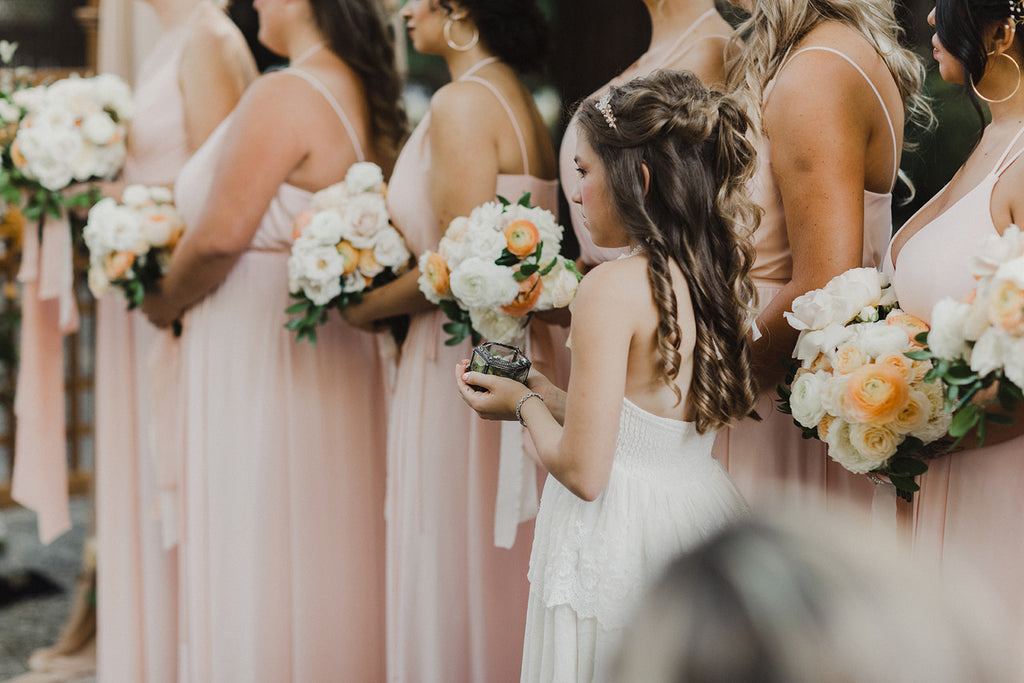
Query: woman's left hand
[(360, 315), (159, 310), (492, 397)]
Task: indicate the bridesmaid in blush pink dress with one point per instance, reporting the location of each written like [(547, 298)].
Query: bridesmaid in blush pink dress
[(456, 604), (282, 549), (968, 518), (829, 157), (190, 81), (685, 35)]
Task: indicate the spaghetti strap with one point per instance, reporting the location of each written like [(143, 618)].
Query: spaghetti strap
[(508, 110), (319, 87), (1000, 166), (888, 118)]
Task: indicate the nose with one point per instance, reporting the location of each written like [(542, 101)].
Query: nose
[(406, 12), (931, 18), (575, 197)]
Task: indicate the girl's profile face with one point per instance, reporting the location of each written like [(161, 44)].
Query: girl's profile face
[(424, 22), (950, 68), (594, 198)]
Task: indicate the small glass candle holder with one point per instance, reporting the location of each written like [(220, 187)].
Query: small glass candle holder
[(492, 358)]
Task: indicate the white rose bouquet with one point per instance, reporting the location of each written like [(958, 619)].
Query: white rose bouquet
[(858, 385), (342, 246), (495, 267), (977, 344), (130, 243), (70, 131)]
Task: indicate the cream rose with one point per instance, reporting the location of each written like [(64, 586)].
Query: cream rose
[(874, 443), (389, 249), (364, 176), (325, 227), (805, 401), (914, 415), (946, 336), (135, 196)]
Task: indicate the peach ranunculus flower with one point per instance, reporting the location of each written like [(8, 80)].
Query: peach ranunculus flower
[(117, 264), (522, 237), (349, 256), (910, 324), (302, 219), (529, 292), (1006, 307), (368, 265), (900, 362), (914, 414), (436, 272), (847, 358), (825, 424), (875, 393)]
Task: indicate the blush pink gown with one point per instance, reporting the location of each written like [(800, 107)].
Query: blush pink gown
[(283, 483), (136, 575), (968, 517), (456, 603), (768, 459)]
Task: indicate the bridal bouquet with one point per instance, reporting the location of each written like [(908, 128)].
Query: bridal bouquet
[(496, 266), (855, 387), (130, 243), (72, 130), (342, 246), (977, 344)]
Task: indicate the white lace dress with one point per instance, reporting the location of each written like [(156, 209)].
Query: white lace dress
[(592, 562)]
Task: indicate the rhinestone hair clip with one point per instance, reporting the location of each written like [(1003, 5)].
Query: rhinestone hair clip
[(1017, 10), (604, 105)]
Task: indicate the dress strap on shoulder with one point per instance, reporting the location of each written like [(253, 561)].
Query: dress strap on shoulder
[(322, 89), (1005, 163), (508, 110), (888, 118)]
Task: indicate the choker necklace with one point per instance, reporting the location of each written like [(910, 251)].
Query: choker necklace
[(635, 250), (307, 53)]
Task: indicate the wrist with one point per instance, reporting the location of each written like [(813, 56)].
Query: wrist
[(524, 399)]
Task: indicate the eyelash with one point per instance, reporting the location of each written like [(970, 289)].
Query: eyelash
[(580, 172)]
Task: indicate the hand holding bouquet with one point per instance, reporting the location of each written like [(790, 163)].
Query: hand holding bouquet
[(130, 244), (496, 266), (977, 344), (344, 245), (855, 388)]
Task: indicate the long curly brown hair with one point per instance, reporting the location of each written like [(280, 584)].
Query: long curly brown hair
[(695, 212)]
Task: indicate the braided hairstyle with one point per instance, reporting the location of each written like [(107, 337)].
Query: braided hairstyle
[(355, 31), (961, 26), (696, 212)]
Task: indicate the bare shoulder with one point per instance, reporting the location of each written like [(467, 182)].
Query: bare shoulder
[(215, 34), (463, 102), (811, 70), (618, 285)]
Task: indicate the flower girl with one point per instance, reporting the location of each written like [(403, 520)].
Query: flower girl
[(660, 361)]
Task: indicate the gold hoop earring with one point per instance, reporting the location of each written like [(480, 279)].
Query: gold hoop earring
[(449, 22), (1015, 89)]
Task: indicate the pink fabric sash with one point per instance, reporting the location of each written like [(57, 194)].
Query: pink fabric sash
[(39, 481)]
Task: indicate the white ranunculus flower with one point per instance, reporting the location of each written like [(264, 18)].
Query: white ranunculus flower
[(353, 283), (389, 249), (1014, 360), (30, 99), (100, 215), (826, 340), (7, 50), (877, 339), (161, 194), (478, 283), (457, 228), (365, 215), (805, 401), (160, 224), (888, 297), (113, 94), (490, 216), (325, 227), (497, 326), (831, 395), (99, 129), (559, 287), (990, 352), (364, 176), (1013, 271), (333, 197), (995, 250), (484, 244), (874, 443), (946, 334), (868, 314), (841, 450), (317, 269), (815, 310), (98, 282), (9, 113), (135, 196)]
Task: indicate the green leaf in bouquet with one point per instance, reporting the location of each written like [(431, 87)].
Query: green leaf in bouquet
[(921, 338), (904, 485), (903, 465), (923, 354), (548, 268), (503, 201), (571, 265), (524, 200), (1008, 394), (457, 331), (299, 307), (507, 258), (294, 324), (998, 419), (960, 373), (964, 419), (452, 310), (525, 271), (536, 254)]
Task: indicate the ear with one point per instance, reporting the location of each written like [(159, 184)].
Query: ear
[(458, 12), (1002, 37), (647, 176)]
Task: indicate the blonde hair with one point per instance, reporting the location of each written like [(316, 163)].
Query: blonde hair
[(696, 213), (763, 41)]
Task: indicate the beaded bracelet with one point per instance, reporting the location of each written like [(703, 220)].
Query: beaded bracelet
[(519, 406)]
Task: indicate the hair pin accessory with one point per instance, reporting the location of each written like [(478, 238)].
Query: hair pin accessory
[(1017, 10), (604, 105)]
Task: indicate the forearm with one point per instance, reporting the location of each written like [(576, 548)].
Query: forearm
[(773, 351), (400, 297), (557, 456), (194, 273)]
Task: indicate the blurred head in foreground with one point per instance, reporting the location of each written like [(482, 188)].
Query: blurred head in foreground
[(776, 602)]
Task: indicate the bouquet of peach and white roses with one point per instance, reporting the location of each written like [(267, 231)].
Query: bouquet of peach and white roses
[(495, 267), (130, 243), (342, 246), (855, 387), (977, 344), (70, 131)]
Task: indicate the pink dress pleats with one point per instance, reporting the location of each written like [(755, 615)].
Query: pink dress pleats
[(136, 575), (282, 547), (456, 604), (769, 459), (968, 518)]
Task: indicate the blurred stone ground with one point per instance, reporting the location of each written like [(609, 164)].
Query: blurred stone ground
[(31, 623)]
